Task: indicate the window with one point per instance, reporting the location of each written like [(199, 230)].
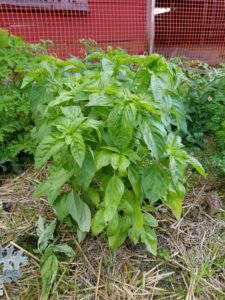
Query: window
[(159, 11), (80, 5)]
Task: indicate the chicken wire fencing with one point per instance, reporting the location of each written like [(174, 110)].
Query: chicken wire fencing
[(193, 28)]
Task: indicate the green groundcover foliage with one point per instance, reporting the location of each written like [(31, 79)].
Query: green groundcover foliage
[(16, 57), (108, 126), (206, 109)]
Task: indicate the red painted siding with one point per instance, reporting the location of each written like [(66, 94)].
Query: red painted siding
[(194, 28), (109, 22)]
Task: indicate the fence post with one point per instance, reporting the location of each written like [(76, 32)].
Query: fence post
[(150, 22)]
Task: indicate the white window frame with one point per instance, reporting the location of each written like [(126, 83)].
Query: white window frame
[(77, 5)]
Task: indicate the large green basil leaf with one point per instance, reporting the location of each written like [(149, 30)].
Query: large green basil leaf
[(113, 194), (117, 230), (154, 136), (79, 211), (155, 180), (100, 100), (98, 222), (77, 148), (48, 269), (46, 149), (174, 198), (149, 238), (60, 206), (121, 122), (53, 185), (135, 181), (85, 174), (102, 159), (197, 165)]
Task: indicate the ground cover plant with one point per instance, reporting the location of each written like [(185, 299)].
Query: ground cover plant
[(206, 101), (108, 125), (16, 57)]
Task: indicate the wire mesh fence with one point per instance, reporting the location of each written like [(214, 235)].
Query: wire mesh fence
[(194, 28)]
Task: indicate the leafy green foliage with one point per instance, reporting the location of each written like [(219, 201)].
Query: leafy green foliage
[(108, 126), (48, 269), (206, 101), (16, 57), (48, 248)]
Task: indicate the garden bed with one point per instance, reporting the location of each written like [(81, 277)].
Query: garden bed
[(190, 264), (120, 212)]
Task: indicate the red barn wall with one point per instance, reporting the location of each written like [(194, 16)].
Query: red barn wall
[(193, 28), (120, 23)]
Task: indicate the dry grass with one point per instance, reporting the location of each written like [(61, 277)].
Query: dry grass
[(190, 264)]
